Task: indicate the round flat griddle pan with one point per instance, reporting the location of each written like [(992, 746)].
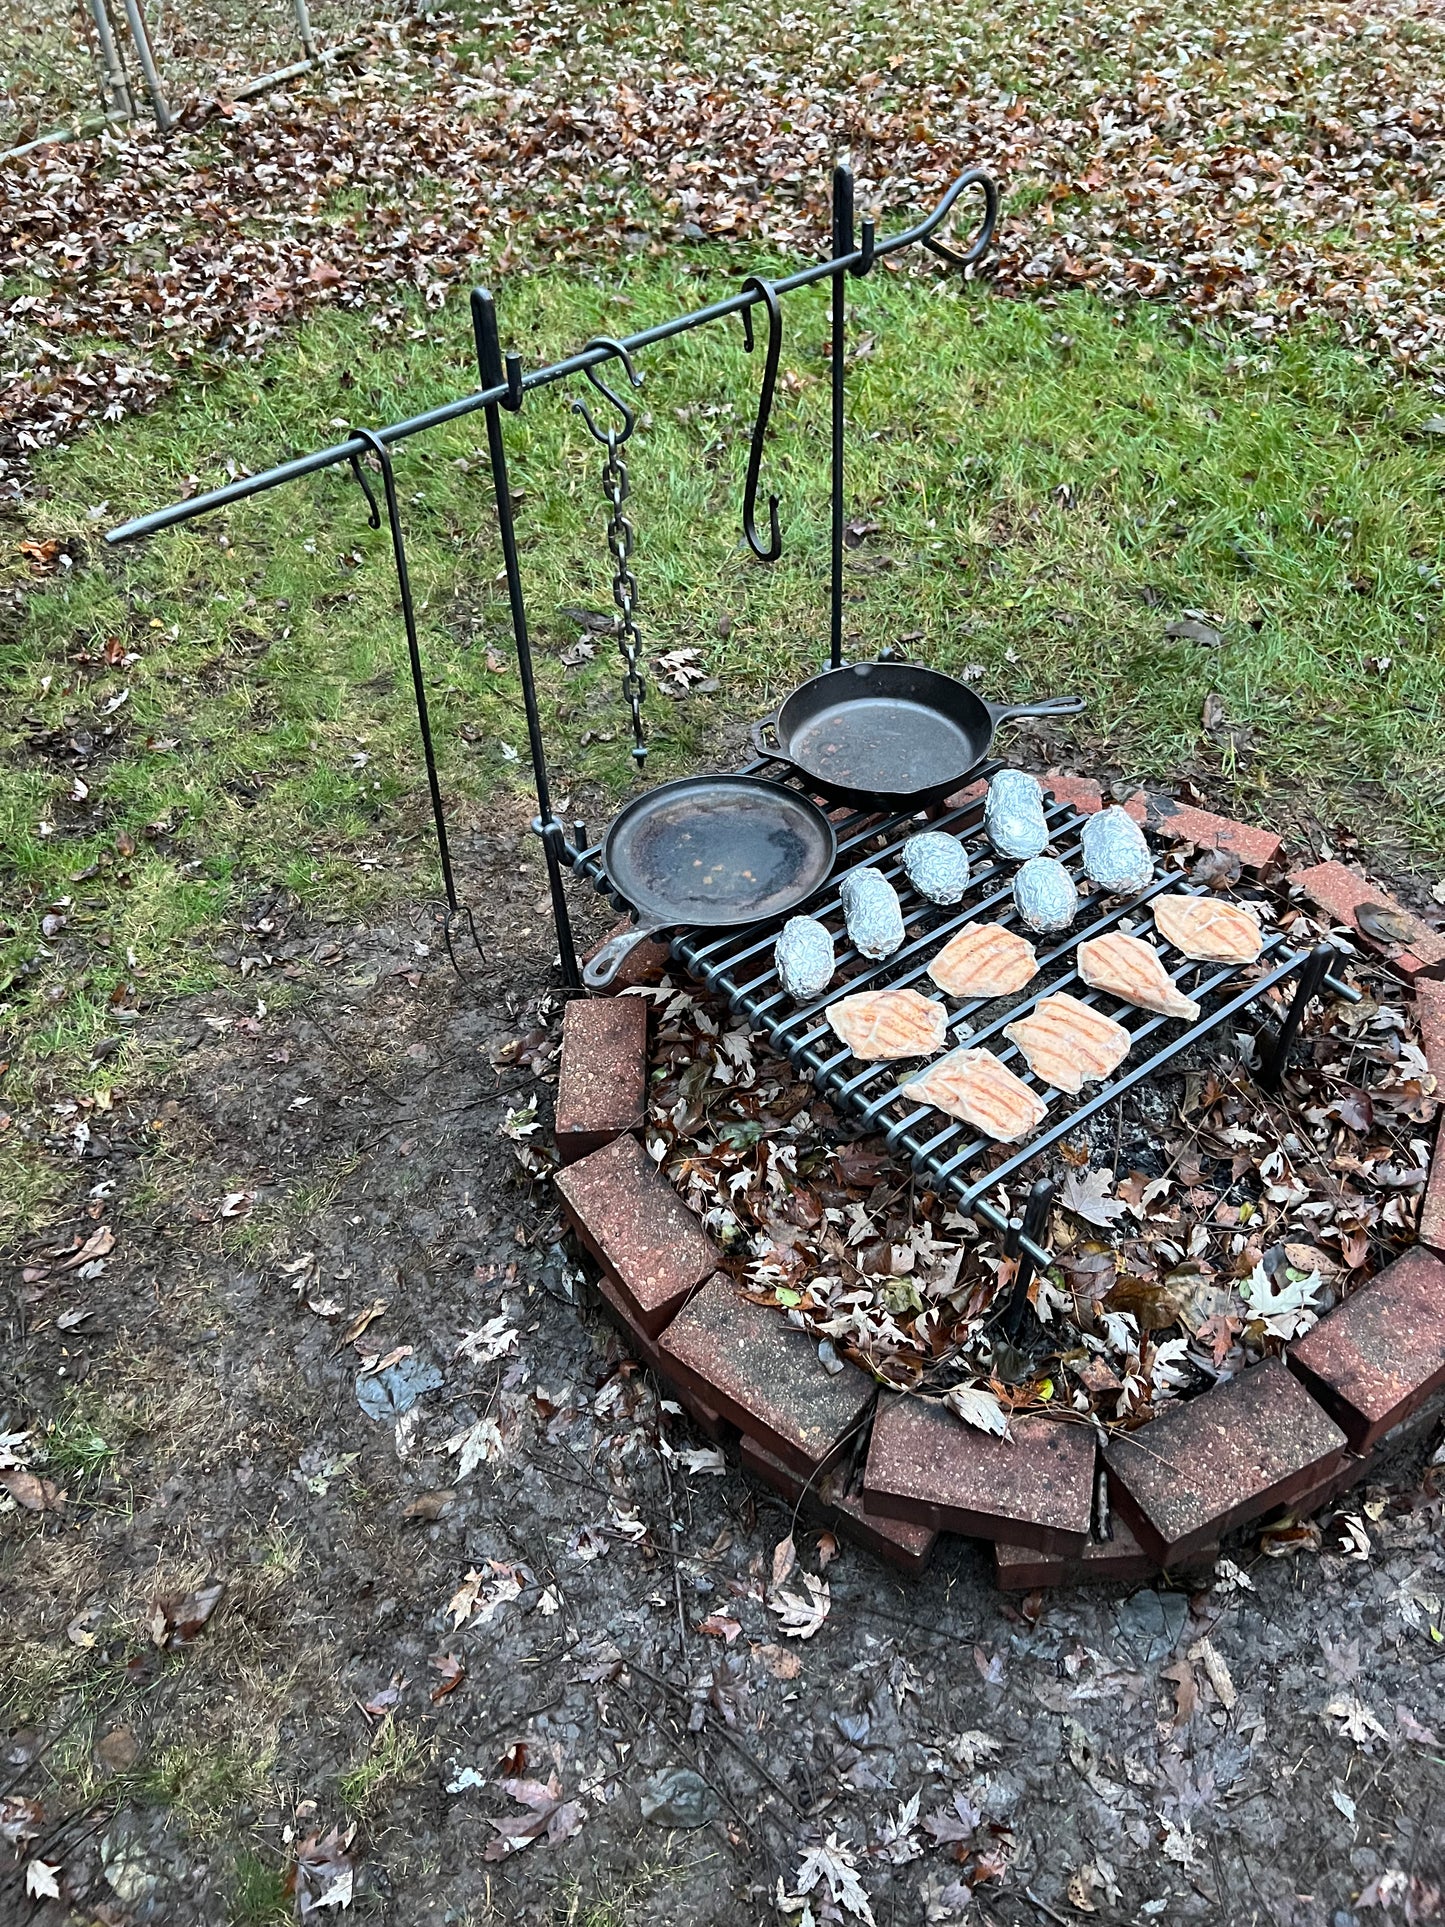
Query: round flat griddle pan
[(716, 851), (890, 733)]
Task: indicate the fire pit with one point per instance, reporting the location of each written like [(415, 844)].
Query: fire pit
[(1210, 1245)]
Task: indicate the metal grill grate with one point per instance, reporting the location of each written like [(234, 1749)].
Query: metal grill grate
[(739, 965)]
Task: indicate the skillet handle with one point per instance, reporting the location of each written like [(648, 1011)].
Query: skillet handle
[(1048, 706), (601, 973), (759, 730)]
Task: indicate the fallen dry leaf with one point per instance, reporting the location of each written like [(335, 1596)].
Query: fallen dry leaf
[(20, 1819), (720, 1626), (324, 1874), (180, 1618), (785, 1557), (780, 1661), (42, 1880), (28, 1489), (802, 1615), (1209, 1656), (450, 1673)]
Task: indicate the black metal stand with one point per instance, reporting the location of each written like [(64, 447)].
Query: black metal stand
[(504, 384)]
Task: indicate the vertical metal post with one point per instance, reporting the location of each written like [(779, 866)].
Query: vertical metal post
[(119, 105), (842, 246), (1320, 962), (303, 23), (493, 374), (165, 120)]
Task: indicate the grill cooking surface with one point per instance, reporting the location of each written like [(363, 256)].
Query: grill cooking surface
[(949, 1154)]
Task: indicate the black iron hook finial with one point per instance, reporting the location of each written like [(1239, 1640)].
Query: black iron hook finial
[(983, 234), (765, 551), (408, 611), (609, 436)]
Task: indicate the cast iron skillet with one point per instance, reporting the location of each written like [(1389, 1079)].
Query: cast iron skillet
[(890, 733), (711, 850)]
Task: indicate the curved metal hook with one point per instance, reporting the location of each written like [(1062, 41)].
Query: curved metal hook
[(373, 511), (413, 648), (978, 247), (773, 548), (629, 415)]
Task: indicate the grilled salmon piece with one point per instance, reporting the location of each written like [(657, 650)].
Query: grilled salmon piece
[(1069, 1044), (984, 960), (974, 1086), (1208, 929), (879, 1024), (1129, 968)]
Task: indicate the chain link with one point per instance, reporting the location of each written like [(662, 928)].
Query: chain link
[(624, 589)]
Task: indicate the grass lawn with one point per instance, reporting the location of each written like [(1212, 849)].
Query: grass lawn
[(1052, 484)]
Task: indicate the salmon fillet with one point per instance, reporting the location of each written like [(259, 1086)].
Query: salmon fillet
[(879, 1024), (984, 960), (1128, 967), (1069, 1044), (974, 1086), (1208, 929)]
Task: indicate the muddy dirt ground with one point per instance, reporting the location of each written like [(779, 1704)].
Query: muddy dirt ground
[(1271, 1750)]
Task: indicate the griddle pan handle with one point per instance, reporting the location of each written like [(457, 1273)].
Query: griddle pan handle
[(1048, 706), (601, 973), (759, 730)]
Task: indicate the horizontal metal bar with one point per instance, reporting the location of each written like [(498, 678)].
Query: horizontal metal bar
[(249, 485)]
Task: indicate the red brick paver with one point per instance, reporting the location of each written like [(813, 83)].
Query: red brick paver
[(644, 964), (1081, 791), (1430, 1008), (896, 1541), (638, 1229), (602, 1086), (1122, 1559), (1381, 1354), (1257, 850), (1432, 1205), (1340, 892), (1214, 1462), (1033, 1489), (764, 1375), (705, 1416)]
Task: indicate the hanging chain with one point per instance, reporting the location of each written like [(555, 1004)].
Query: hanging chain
[(624, 589)]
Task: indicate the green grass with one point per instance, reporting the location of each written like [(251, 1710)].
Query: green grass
[(396, 1758), (258, 1892), (202, 1783), (83, 1440), (1052, 482)]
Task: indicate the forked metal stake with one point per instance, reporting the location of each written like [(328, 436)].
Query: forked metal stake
[(454, 909)]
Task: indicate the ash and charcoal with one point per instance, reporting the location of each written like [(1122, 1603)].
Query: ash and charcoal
[(1199, 1223)]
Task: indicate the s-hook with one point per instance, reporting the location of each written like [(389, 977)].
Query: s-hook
[(378, 448), (770, 551), (629, 414), (615, 487)]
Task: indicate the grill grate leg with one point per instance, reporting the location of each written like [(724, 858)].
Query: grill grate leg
[(1320, 962), (1022, 1233)]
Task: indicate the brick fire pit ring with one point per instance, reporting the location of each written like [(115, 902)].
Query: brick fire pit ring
[(1285, 1434)]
